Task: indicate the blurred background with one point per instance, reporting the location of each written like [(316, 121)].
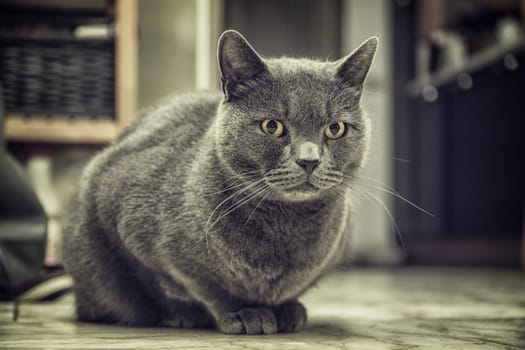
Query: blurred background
[(445, 177)]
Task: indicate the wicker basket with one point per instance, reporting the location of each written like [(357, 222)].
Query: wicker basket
[(46, 70)]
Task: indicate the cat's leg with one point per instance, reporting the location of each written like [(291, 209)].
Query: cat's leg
[(133, 307), (230, 314), (109, 285), (291, 317), (187, 315), (236, 316), (249, 320), (285, 318), (183, 311), (115, 299)]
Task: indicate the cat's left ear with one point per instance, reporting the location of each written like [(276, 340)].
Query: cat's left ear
[(238, 61), (353, 69)]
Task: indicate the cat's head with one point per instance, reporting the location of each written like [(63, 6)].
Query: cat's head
[(291, 127)]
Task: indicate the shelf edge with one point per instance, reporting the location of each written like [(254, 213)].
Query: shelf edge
[(60, 130)]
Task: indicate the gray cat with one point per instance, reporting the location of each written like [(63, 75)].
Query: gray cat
[(222, 209)]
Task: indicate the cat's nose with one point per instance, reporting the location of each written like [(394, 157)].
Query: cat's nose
[(308, 165), (308, 156)]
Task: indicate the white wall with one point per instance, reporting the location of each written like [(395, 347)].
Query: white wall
[(166, 48), (372, 236), (177, 47)]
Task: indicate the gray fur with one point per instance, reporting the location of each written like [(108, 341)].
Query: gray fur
[(194, 217)]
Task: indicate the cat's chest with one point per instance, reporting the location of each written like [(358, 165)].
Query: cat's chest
[(285, 233), (280, 252)]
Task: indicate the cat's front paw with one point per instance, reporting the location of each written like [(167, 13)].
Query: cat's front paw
[(291, 317), (249, 321)]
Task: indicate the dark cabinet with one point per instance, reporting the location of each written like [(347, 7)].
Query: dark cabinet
[(465, 143)]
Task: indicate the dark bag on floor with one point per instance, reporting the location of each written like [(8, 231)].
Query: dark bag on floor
[(23, 225)]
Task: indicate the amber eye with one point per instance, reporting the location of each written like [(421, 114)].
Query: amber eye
[(335, 130), (272, 128)]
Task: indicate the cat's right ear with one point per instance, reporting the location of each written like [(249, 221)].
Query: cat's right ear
[(353, 69), (238, 62)]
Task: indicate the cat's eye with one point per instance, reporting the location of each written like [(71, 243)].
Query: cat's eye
[(272, 128), (335, 130)]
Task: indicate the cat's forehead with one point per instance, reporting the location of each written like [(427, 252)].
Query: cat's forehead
[(308, 89), (302, 73)]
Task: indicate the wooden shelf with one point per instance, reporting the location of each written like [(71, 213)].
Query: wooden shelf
[(63, 129), (60, 129)]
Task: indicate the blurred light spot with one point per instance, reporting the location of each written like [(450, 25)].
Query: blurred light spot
[(464, 81), (510, 62), (429, 93)]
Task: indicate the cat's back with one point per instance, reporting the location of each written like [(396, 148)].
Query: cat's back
[(175, 119), (177, 122), (161, 136)]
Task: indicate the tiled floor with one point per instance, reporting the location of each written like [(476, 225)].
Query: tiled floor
[(425, 308)]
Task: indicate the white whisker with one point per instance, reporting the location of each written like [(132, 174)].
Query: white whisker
[(385, 188), (233, 195), (236, 184), (393, 223), (237, 205), (264, 196), (240, 176)]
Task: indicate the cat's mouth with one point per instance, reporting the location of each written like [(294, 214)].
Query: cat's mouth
[(306, 187), (298, 186), (301, 192)]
